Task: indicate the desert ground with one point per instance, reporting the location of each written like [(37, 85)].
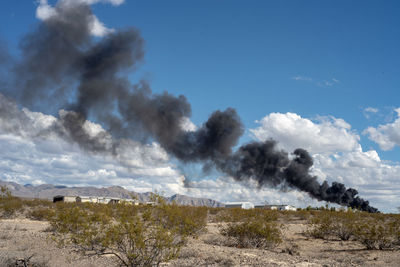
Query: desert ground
[(24, 240)]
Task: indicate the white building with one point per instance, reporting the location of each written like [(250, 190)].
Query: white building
[(64, 198), (276, 207), (94, 199), (89, 199), (243, 205), (286, 207)]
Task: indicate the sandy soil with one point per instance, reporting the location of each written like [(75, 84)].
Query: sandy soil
[(22, 238)]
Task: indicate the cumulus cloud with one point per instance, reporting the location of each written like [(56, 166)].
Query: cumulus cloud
[(337, 154), (376, 180), (36, 154), (387, 136), (45, 11), (327, 135)]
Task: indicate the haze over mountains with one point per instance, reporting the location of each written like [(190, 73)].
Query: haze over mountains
[(48, 191)]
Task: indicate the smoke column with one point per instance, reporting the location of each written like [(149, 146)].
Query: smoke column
[(63, 66)]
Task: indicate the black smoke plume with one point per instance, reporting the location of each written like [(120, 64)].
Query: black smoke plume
[(63, 66)]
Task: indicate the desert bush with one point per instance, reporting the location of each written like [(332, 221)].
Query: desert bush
[(136, 236), (345, 224), (9, 204), (213, 214), (327, 224), (288, 215), (214, 211), (303, 214), (26, 261), (321, 225), (240, 215), (41, 213), (138, 242), (190, 221), (37, 203), (254, 233), (375, 233), (255, 228), (233, 215)]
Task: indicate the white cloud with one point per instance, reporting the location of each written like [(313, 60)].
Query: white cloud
[(187, 125), (327, 135), (91, 2), (45, 11), (47, 158), (325, 83), (302, 78), (97, 28), (387, 136), (371, 110), (337, 155), (33, 154), (141, 168)]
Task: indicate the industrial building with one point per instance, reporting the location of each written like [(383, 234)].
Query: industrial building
[(243, 205), (94, 199)]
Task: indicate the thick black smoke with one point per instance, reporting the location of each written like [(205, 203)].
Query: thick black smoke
[(63, 66), (262, 162)]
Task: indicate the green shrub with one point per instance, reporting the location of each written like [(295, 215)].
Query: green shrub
[(345, 224), (138, 242), (37, 203), (375, 233), (303, 214), (214, 211), (9, 204), (190, 221), (253, 234), (327, 224), (240, 215), (135, 235), (322, 225), (41, 213)]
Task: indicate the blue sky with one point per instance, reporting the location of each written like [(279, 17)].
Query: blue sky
[(320, 60)]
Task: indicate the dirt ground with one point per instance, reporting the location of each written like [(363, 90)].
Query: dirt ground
[(23, 238)]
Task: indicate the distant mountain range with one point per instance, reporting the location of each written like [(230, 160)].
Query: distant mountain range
[(48, 191)]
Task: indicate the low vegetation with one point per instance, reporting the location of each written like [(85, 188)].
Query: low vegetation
[(241, 215), (149, 235), (255, 228), (135, 235), (379, 232), (374, 231), (253, 234), (9, 204)]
